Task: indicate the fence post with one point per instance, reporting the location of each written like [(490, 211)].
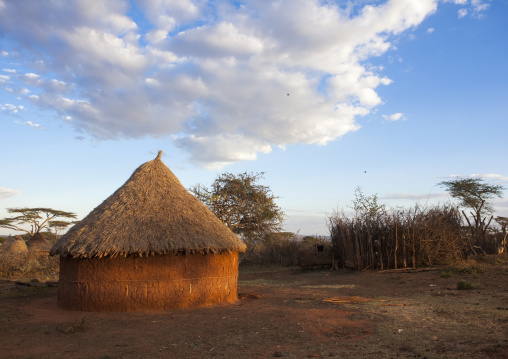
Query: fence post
[(396, 247)]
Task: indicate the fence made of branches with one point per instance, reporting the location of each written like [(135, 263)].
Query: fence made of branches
[(401, 238)]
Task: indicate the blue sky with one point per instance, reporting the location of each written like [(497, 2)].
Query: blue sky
[(393, 96)]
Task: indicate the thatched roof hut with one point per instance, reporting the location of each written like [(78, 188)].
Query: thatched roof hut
[(14, 245), (150, 245), (38, 244), (8, 241)]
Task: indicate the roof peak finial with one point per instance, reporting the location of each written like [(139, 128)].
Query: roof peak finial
[(159, 155)]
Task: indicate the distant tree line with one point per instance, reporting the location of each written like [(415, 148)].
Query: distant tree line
[(374, 237), (35, 220)]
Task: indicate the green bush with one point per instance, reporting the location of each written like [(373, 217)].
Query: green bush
[(465, 285), (446, 274)]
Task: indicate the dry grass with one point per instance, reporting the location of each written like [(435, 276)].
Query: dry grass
[(29, 265)]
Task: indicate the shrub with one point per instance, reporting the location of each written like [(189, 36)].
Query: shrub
[(465, 285), (446, 274), (28, 265)]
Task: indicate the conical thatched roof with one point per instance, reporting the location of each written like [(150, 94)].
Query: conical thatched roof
[(151, 213), (19, 246), (8, 241), (38, 243), (14, 245)]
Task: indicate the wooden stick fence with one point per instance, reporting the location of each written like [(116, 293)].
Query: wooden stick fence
[(415, 237)]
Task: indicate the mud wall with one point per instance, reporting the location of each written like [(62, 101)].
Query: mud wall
[(157, 282)]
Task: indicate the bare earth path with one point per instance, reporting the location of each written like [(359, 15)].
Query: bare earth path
[(300, 314)]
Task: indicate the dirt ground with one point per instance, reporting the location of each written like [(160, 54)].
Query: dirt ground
[(287, 313)]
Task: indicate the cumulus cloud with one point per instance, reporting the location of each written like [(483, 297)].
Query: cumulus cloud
[(4, 79), (462, 13), (225, 81), (7, 192), (395, 117), (31, 124), (480, 5), (10, 108), (475, 8)]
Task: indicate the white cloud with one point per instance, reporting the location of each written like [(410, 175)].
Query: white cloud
[(430, 30), (395, 117), (156, 35), (475, 8), (7, 192), (10, 108), (31, 79), (31, 124), (4, 53), (479, 5), (167, 14), (462, 13), (491, 176), (414, 197), (214, 75), (17, 91)]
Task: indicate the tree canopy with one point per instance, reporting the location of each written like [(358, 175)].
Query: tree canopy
[(245, 206), (475, 195), (367, 206), (36, 218)]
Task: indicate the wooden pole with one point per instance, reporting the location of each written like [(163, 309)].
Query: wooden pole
[(404, 263), (396, 247), (414, 252)]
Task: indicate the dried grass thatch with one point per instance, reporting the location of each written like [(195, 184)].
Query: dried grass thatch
[(151, 213), (38, 243), (14, 245)]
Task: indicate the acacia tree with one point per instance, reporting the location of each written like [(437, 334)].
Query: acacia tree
[(475, 194), (244, 205), (36, 218), (59, 226)]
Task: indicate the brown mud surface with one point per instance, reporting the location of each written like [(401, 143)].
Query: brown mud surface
[(284, 312)]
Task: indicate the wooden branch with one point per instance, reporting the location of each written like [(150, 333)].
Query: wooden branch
[(408, 270)]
